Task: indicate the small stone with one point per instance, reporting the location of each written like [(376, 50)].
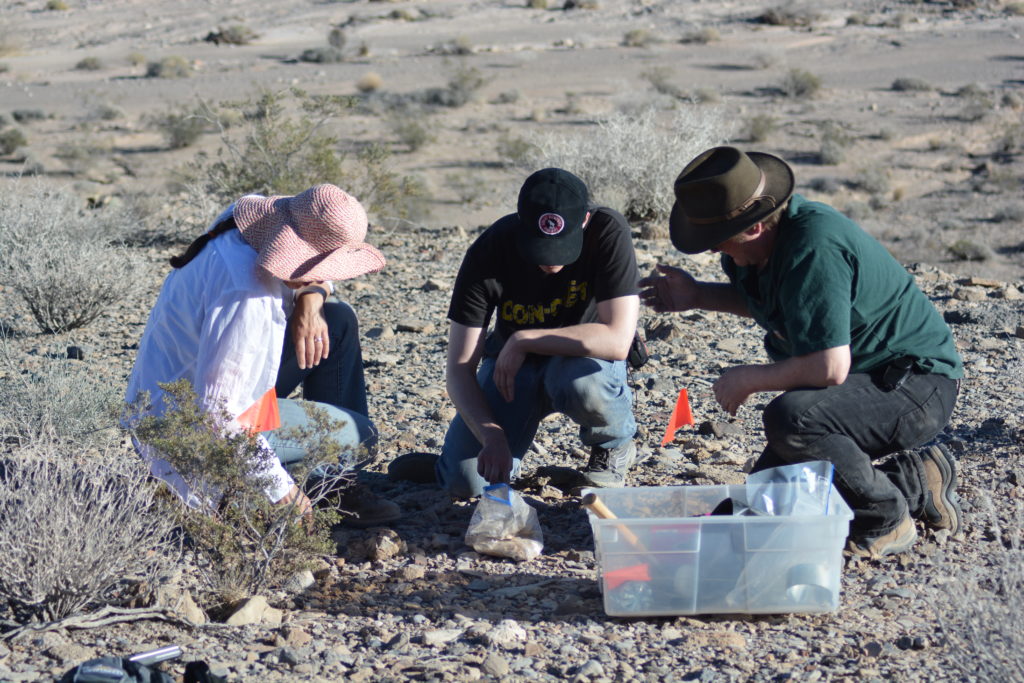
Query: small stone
[(970, 294), (434, 286), (507, 634), (1019, 332), (299, 581), (250, 612), (296, 637), (384, 545), (873, 649), (731, 346), (379, 333), (412, 572), (1010, 293), (441, 636), (495, 665), (591, 669), (76, 353)]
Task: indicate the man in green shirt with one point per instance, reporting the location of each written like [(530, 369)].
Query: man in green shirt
[(867, 366)]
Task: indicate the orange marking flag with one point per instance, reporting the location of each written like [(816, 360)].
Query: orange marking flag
[(617, 577), (263, 415), (681, 415)]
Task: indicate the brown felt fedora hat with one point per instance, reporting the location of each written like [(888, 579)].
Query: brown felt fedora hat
[(723, 192)]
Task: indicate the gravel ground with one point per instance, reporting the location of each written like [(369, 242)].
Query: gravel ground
[(429, 608)]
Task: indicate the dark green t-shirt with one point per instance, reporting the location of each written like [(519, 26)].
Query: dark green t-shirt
[(828, 283)]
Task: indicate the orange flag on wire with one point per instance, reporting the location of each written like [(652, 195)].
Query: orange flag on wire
[(681, 415)]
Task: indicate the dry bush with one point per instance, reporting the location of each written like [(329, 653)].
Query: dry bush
[(639, 37), (243, 541), (76, 531), (61, 259), (463, 84), (58, 401), (369, 82), (236, 34), (630, 161), (136, 59), (911, 84), (703, 36), (89, 64), (411, 127), (790, 15), (800, 84), (761, 126), (322, 55), (181, 127), (59, 5), (169, 67), (979, 606), (660, 79), (833, 143)]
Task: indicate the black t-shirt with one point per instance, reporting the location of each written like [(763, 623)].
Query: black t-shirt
[(494, 277)]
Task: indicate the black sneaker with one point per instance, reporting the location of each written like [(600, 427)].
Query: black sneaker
[(941, 505), (414, 467), (607, 467)]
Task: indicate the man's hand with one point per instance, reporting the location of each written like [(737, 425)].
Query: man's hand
[(494, 462), (734, 387), (309, 330), (673, 290), (506, 366)]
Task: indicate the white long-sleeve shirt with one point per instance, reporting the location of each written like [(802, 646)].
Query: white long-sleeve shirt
[(220, 323)]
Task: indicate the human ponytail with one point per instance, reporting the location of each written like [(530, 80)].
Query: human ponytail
[(200, 242)]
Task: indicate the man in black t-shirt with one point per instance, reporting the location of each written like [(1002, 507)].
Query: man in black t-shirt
[(560, 280)]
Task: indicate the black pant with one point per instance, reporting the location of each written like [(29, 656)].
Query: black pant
[(853, 424)]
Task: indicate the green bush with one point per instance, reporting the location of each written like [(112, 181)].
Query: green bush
[(909, 84), (322, 55), (283, 147), (245, 542), (639, 37), (57, 5), (10, 140), (412, 128), (761, 126), (181, 128), (236, 34)]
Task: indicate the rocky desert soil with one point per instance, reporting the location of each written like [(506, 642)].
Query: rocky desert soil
[(933, 170)]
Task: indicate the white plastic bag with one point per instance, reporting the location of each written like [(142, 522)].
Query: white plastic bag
[(504, 525)]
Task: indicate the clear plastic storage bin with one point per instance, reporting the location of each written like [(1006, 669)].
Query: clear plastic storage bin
[(667, 554)]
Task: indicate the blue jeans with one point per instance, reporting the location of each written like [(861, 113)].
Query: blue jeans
[(592, 392), (851, 425), (335, 385)]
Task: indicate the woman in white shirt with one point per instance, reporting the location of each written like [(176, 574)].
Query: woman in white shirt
[(244, 317)]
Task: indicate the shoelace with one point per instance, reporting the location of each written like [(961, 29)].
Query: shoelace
[(598, 459)]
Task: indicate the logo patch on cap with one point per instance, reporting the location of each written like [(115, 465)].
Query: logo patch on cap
[(551, 223)]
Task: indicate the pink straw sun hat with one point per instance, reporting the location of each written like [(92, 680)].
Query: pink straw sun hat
[(309, 237)]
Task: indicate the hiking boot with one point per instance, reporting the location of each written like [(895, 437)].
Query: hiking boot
[(899, 540), (362, 508), (941, 505), (607, 467), (414, 467)]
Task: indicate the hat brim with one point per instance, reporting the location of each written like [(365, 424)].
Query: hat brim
[(693, 239), (288, 258), (542, 250)]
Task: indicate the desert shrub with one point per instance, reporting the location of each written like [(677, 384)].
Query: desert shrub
[(1010, 139), (507, 97), (322, 55), (136, 58), (76, 530), (28, 115), (800, 83), (369, 82), (57, 401), (873, 180), (82, 155), (833, 142), (236, 34), (706, 96), (336, 38), (1015, 9), (463, 84), (660, 79), (282, 147), (630, 161), (10, 140), (789, 15), (459, 46), (57, 5), (824, 184), (911, 84), (761, 126), (181, 127), (969, 250), (411, 127), (244, 542), (89, 64), (708, 34), (516, 151), (4, 68), (169, 67), (971, 90), (537, 4), (581, 4), (767, 59), (978, 606), (61, 260), (639, 37)]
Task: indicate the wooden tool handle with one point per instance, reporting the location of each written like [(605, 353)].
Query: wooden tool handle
[(597, 506)]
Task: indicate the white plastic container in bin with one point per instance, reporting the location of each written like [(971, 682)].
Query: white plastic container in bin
[(666, 554)]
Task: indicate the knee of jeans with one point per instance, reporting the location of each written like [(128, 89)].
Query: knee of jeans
[(341, 318), (588, 394), (459, 479)]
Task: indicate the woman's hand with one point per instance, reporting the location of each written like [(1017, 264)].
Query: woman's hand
[(296, 497), (308, 329)]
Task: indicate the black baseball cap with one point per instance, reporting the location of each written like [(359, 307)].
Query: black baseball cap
[(552, 209)]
